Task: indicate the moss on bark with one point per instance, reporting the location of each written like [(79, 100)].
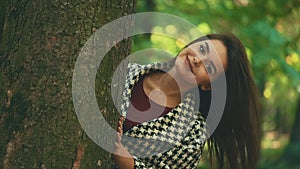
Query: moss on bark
[(39, 46)]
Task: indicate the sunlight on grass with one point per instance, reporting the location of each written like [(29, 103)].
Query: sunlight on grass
[(273, 140)]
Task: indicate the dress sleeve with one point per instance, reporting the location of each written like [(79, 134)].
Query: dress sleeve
[(138, 164)]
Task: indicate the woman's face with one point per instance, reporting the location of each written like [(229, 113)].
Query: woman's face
[(202, 61)]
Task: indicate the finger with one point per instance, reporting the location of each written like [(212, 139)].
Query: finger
[(120, 124), (119, 138), (122, 118), (120, 131)]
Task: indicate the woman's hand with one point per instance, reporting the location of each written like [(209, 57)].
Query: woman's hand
[(121, 156)]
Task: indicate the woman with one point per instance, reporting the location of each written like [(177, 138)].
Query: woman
[(236, 141)]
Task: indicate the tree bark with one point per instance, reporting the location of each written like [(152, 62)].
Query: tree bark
[(38, 48)]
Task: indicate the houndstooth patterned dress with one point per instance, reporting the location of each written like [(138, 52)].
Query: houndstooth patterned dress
[(174, 140)]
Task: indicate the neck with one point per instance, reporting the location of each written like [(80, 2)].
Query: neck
[(182, 84), (167, 88), (171, 83)]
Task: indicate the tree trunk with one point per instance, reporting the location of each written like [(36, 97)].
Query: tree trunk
[(295, 135), (39, 44)]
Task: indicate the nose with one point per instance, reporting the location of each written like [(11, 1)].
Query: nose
[(196, 60), (200, 59)]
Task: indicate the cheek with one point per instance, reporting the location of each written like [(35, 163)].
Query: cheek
[(202, 81), (202, 77), (181, 67)]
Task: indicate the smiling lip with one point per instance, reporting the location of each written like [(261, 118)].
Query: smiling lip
[(188, 62)]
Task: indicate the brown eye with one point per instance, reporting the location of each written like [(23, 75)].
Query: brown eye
[(208, 69), (202, 50)]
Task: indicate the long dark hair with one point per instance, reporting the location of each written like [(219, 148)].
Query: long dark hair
[(235, 143)]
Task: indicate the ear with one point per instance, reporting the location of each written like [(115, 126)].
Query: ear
[(206, 87)]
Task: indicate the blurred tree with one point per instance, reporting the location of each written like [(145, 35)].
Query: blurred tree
[(270, 30), (40, 41), (270, 33), (293, 149)]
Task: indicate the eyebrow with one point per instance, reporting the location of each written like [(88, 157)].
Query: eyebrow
[(207, 47), (213, 65)]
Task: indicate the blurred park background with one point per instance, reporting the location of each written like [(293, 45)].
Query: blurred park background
[(41, 40), (270, 30)]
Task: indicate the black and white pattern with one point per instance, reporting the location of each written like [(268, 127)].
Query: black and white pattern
[(175, 140)]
